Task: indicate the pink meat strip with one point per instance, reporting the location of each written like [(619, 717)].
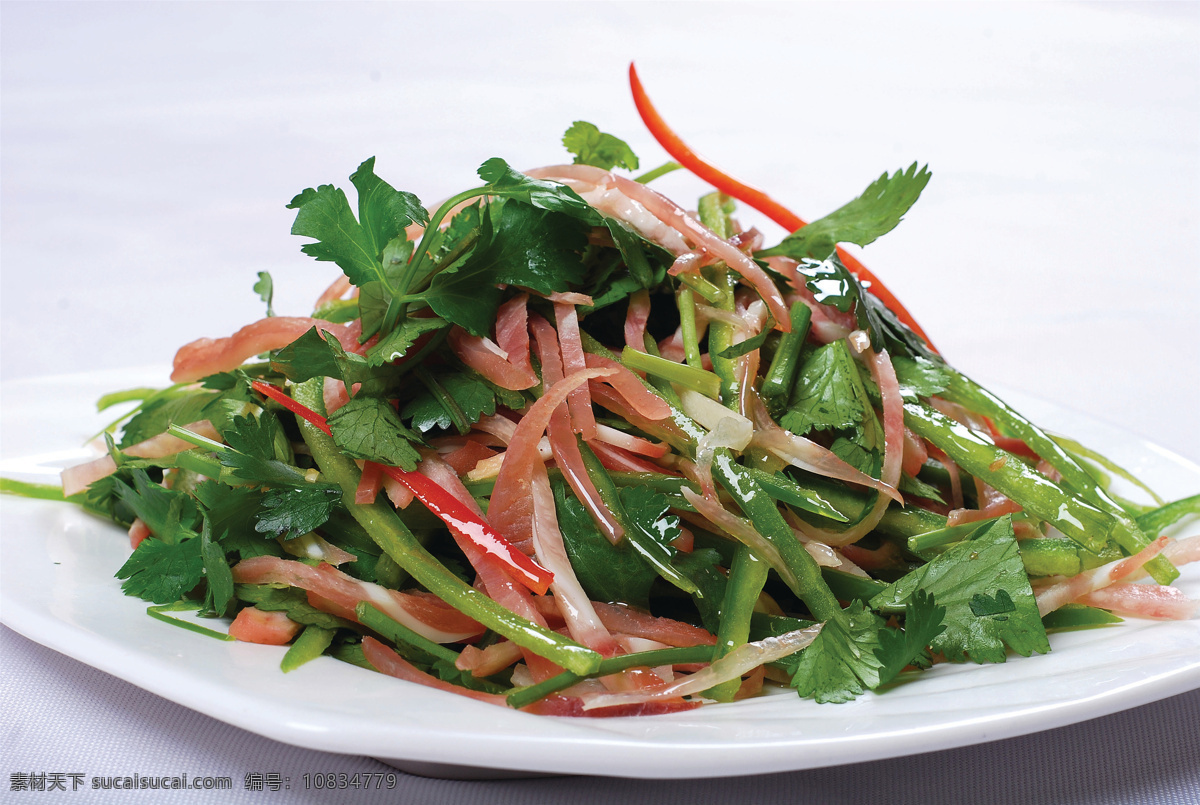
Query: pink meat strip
[(209, 356), (81, 476), (1155, 601), (562, 438), (485, 356), (424, 615), (511, 507), (1052, 597), (571, 347)]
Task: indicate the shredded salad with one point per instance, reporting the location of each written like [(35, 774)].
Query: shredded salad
[(564, 445)]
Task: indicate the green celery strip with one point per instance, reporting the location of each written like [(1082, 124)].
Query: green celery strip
[(412, 644), (1039, 496), (1078, 450), (1154, 522), (199, 462), (747, 575), (698, 284), (720, 338), (1121, 527), (661, 170), (850, 586), (390, 533), (311, 644), (523, 697), (690, 377), (776, 388), (184, 606), (25, 489), (760, 507), (931, 543), (687, 325), (785, 490), (1060, 557), (1078, 616), (909, 522)]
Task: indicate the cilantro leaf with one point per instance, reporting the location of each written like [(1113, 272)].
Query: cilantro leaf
[(319, 354), (162, 573), (170, 515), (218, 594), (524, 246), (593, 147), (977, 581), (324, 214), (383, 211), (395, 344), (842, 662), (825, 395), (923, 622), (229, 511), (265, 288), (469, 390), (873, 214), (506, 182), (292, 512), (607, 572), (369, 428)]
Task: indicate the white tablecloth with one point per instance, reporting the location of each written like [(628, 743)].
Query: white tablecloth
[(149, 149)]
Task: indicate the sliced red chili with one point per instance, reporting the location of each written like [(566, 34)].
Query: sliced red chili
[(448, 508), (681, 153), (451, 511), (280, 396)]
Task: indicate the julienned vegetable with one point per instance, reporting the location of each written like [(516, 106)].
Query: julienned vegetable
[(563, 445)]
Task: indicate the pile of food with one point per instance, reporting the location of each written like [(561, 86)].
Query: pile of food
[(563, 445)]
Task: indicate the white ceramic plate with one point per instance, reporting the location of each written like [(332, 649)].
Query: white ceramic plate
[(57, 588)]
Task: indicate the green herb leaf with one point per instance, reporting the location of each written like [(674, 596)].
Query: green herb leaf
[(983, 586), (593, 147), (369, 428), (923, 622), (265, 288), (873, 214), (325, 214), (219, 594), (607, 572), (162, 573), (523, 246), (504, 181), (827, 394), (383, 211), (473, 395), (842, 662), (292, 512)]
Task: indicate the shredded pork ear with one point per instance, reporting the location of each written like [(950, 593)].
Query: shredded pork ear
[(210, 356)]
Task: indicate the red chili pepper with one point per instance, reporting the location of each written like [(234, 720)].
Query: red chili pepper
[(681, 153), (466, 523), (447, 507), (280, 396)]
